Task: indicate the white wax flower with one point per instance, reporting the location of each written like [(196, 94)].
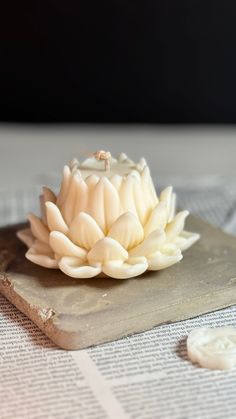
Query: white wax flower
[(107, 222), (213, 348)]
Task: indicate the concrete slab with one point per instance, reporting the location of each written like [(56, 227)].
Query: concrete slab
[(77, 314)]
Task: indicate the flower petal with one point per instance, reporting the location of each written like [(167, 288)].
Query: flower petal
[(172, 209), (68, 207), (174, 228), (76, 268), (47, 195), (55, 219), (84, 231), (42, 209), (64, 246), (160, 260), (142, 162), (41, 248), (166, 196), (122, 157), (26, 237), (91, 181), (66, 179), (148, 188), (81, 199), (39, 230), (74, 165), (129, 269), (105, 250), (127, 230), (150, 245), (104, 205), (116, 181), (186, 239), (127, 195), (47, 261), (142, 208), (157, 219)]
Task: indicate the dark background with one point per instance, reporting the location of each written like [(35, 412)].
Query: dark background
[(118, 61)]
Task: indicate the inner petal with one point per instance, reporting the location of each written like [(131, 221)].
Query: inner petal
[(127, 230), (104, 205), (157, 219), (150, 245), (62, 245), (54, 218), (84, 231)]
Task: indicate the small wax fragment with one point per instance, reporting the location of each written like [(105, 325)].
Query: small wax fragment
[(213, 348)]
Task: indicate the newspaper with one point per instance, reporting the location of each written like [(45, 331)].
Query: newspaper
[(146, 376)]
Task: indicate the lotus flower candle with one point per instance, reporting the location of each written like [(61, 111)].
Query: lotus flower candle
[(107, 219)]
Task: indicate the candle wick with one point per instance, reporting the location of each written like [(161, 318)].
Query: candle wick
[(105, 156)]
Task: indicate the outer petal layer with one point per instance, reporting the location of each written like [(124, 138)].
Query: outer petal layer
[(47, 261), (186, 240), (160, 260), (106, 250), (174, 228), (133, 267), (26, 236), (76, 268), (39, 230)]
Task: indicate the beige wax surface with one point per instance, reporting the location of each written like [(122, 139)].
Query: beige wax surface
[(116, 168)]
